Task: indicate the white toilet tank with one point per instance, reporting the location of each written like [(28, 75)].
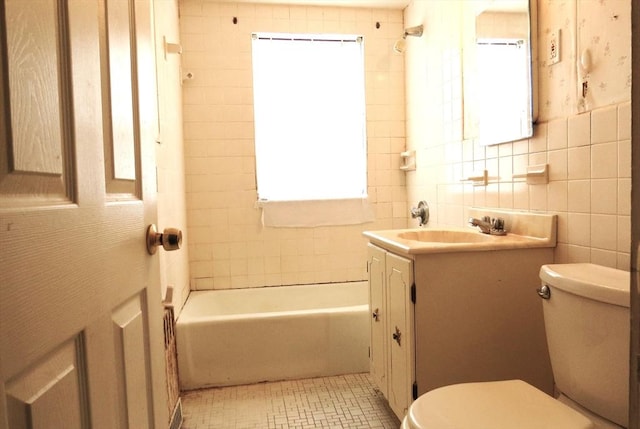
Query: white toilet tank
[(587, 322)]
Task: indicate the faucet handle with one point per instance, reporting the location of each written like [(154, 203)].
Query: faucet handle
[(498, 224), (422, 212)]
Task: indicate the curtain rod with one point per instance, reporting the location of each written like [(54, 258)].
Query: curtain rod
[(305, 38)]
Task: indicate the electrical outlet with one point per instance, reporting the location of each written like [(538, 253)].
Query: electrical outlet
[(553, 55)]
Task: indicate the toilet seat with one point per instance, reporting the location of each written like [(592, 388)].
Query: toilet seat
[(496, 405)]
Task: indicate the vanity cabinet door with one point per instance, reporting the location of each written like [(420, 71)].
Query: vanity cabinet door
[(401, 364), (392, 356), (377, 297)]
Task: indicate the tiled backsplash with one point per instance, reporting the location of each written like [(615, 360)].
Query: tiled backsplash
[(589, 154)]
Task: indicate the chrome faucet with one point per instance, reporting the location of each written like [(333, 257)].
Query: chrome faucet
[(484, 224), (488, 225)]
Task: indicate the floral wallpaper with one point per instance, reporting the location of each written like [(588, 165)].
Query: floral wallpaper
[(603, 30), (592, 31)]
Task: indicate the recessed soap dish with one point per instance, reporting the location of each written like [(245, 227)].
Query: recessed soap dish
[(408, 160)]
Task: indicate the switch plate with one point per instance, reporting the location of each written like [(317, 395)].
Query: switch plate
[(553, 55)]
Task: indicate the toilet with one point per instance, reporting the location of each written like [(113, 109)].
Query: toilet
[(586, 314)]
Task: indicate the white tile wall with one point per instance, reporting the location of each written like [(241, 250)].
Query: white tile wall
[(589, 154), (228, 246)]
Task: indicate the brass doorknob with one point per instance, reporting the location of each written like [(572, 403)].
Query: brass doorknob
[(169, 239)]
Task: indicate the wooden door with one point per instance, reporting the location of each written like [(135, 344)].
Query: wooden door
[(80, 307)]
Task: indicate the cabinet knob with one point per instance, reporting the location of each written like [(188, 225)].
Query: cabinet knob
[(397, 335), (376, 315)]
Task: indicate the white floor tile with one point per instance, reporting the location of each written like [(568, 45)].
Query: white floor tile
[(346, 401)]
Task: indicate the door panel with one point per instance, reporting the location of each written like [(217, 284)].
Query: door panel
[(35, 136), (52, 393), (119, 90), (80, 309), (35, 65), (120, 38), (131, 356)]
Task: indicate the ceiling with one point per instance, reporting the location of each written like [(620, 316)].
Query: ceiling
[(382, 4)]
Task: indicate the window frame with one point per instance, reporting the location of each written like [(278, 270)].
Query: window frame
[(360, 191)]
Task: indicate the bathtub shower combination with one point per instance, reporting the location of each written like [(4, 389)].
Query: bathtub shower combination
[(242, 336)]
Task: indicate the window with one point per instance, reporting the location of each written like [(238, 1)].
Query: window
[(309, 117)]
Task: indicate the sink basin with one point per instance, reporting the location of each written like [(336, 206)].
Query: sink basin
[(445, 236), (524, 230)]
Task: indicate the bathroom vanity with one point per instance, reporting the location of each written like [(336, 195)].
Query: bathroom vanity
[(453, 305)]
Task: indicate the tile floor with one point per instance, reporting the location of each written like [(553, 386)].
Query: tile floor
[(346, 401)]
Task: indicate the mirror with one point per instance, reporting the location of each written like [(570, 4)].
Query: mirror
[(499, 66)]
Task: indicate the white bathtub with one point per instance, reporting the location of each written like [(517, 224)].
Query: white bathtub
[(242, 336)]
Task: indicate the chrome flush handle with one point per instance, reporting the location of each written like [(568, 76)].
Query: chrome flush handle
[(544, 292)]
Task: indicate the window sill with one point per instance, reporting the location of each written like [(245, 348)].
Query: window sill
[(312, 213)]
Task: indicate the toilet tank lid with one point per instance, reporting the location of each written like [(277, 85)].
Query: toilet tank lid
[(590, 281)]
